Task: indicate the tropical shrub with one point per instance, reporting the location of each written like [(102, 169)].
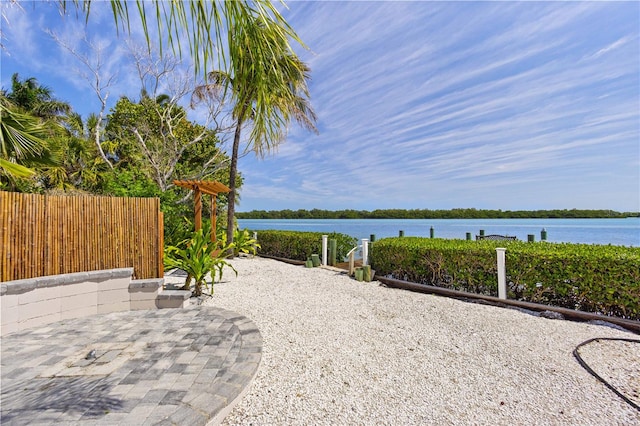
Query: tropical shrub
[(301, 245), (592, 278), (243, 242), (199, 258)]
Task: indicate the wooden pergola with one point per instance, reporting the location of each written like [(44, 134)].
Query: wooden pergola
[(213, 188)]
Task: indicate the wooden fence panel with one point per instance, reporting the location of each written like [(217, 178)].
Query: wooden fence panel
[(49, 235)]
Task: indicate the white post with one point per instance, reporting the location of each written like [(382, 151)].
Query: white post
[(255, 237), (324, 249), (365, 251), (502, 274)]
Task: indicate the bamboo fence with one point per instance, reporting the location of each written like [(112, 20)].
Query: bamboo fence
[(48, 235)]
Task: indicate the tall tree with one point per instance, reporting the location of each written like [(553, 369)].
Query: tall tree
[(205, 24), (29, 117), (267, 87), (21, 138), (159, 139), (81, 167), (36, 99), (156, 130)]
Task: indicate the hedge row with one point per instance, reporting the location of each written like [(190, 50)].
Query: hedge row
[(590, 278), (301, 245)]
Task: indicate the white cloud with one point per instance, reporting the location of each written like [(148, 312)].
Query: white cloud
[(437, 104)]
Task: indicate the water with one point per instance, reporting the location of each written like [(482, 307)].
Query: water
[(621, 232)]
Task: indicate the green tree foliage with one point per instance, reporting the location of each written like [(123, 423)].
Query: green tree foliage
[(301, 245), (29, 95), (153, 143), (434, 214), (30, 119), (157, 138), (20, 141), (244, 39), (42, 132), (267, 88)]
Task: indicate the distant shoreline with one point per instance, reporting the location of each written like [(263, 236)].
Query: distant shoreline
[(436, 214)]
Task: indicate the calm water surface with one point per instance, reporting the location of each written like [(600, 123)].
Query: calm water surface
[(622, 232)]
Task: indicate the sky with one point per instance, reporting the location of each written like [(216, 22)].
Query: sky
[(421, 105)]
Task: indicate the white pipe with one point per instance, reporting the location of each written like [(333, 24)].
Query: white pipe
[(324, 249), (365, 251), (255, 237), (502, 273)]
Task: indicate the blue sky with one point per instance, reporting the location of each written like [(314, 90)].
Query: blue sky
[(435, 105)]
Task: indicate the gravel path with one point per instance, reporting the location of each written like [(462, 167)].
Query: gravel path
[(339, 352)]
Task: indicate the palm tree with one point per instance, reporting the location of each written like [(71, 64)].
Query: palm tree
[(267, 88), (203, 22), (21, 139), (36, 99), (80, 164), (30, 117)]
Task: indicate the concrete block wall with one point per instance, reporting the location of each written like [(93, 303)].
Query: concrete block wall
[(43, 300), (143, 294)]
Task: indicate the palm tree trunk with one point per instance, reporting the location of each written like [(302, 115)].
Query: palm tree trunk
[(233, 169)]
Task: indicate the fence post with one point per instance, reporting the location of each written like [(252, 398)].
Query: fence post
[(324, 249), (365, 251), (333, 251), (502, 273)]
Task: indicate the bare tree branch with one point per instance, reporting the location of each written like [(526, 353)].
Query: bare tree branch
[(165, 84), (98, 82)]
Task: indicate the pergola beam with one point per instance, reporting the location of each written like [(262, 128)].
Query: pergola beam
[(213, 188)]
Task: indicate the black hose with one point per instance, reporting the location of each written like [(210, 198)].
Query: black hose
[(594, 374)]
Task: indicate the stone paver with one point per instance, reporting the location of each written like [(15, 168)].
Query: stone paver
[(168, 366)]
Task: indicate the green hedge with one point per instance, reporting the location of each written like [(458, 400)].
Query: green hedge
[(301, 245), (591, 278)]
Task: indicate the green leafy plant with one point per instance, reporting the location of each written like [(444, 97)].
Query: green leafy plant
[(243, 242), (199, 258), (592, 278), (301, 245)]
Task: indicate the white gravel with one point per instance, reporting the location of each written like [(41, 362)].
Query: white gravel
[(342, 352)]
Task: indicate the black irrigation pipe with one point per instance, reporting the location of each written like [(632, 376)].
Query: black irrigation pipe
[(282, 259), (631, 325), (584, 365)]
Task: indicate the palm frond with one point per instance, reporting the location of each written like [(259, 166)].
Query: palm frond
[(204, 23)]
